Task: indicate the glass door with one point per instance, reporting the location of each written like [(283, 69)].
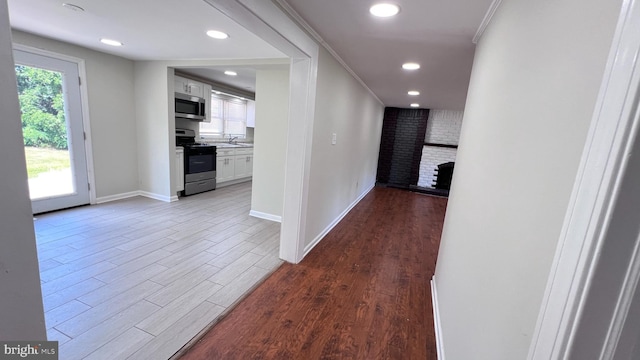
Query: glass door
[(52, 128)]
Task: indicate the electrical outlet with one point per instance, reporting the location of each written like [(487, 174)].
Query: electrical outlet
[(334, 138)]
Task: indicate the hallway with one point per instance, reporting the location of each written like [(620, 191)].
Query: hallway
[(362, 293)]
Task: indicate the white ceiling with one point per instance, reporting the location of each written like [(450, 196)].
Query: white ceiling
[(149, 29), (437, 34), (245, 80)]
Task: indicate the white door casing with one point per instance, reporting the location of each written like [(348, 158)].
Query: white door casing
[(76, 115), (597, 266), (266, 20)]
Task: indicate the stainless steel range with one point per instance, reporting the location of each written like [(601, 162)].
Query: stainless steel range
[(199, 163)]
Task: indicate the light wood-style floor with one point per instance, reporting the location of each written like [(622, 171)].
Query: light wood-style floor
[(362, 293), (139, 278)]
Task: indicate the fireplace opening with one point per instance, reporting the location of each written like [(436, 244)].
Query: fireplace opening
[(443, 175)]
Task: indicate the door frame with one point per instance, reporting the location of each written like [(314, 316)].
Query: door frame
[(595, 206), (84, 101), (270, 23)]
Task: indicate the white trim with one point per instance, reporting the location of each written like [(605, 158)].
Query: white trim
[(265, 216), (336, 221), (160, 197), (86, 123), (593, 198), (84, 99), (109, 198), (624, 304), (486, 20), (305, 25), (436, 320)]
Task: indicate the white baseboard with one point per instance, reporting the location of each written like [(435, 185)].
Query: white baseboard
[(158, 196), (109, 198), (335, 222), (130, 194), (261, 215), (436, 320)]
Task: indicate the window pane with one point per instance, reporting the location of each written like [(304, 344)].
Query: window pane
[(236, 110), (235, 118), (236, 128), (216, 126), (228, 117)]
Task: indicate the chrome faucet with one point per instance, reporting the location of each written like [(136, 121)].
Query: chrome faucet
[(231, 139)]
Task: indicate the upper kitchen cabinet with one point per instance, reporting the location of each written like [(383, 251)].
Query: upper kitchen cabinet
[(207, 102), (251, 114), (188, 86)]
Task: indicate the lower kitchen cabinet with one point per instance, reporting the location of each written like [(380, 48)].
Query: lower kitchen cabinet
[(234, 164), (244, 162), (225, 168), (179, 168)]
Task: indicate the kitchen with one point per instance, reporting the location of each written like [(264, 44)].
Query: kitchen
[(209, 125)]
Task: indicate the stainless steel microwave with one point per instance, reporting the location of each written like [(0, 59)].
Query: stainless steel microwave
[(190, 107)]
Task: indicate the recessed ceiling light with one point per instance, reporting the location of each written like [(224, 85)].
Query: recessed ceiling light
[(411, 66), (73, 7), (415, 105), (413, 93), (111, 42), (230, 73), (217, 34), (384, 10)]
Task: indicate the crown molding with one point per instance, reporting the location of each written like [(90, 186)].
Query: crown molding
[(487, 19), (306, 27)]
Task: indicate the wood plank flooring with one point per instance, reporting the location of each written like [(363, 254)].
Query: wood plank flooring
[(362, 293), (139, 278)]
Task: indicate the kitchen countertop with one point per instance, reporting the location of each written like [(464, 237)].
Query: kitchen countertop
[(227, 145)]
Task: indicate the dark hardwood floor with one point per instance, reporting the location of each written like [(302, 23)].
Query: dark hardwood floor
[(362, 293)]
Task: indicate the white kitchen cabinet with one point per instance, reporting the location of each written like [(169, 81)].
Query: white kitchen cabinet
[(179, 168), (241, 166), (207, 103), (195, 88), (251, 114), (244, 166), (225, 165), (234, 164), (188, 86), (244, 162), (226, 172), (180, 85)]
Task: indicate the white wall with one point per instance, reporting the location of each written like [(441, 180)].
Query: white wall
[(156, 128), (270, 141), (340, 173), (443, 126), (21, 311), (111, 113), (535, 78)]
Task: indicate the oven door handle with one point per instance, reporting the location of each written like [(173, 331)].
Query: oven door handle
[(198, 162)]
